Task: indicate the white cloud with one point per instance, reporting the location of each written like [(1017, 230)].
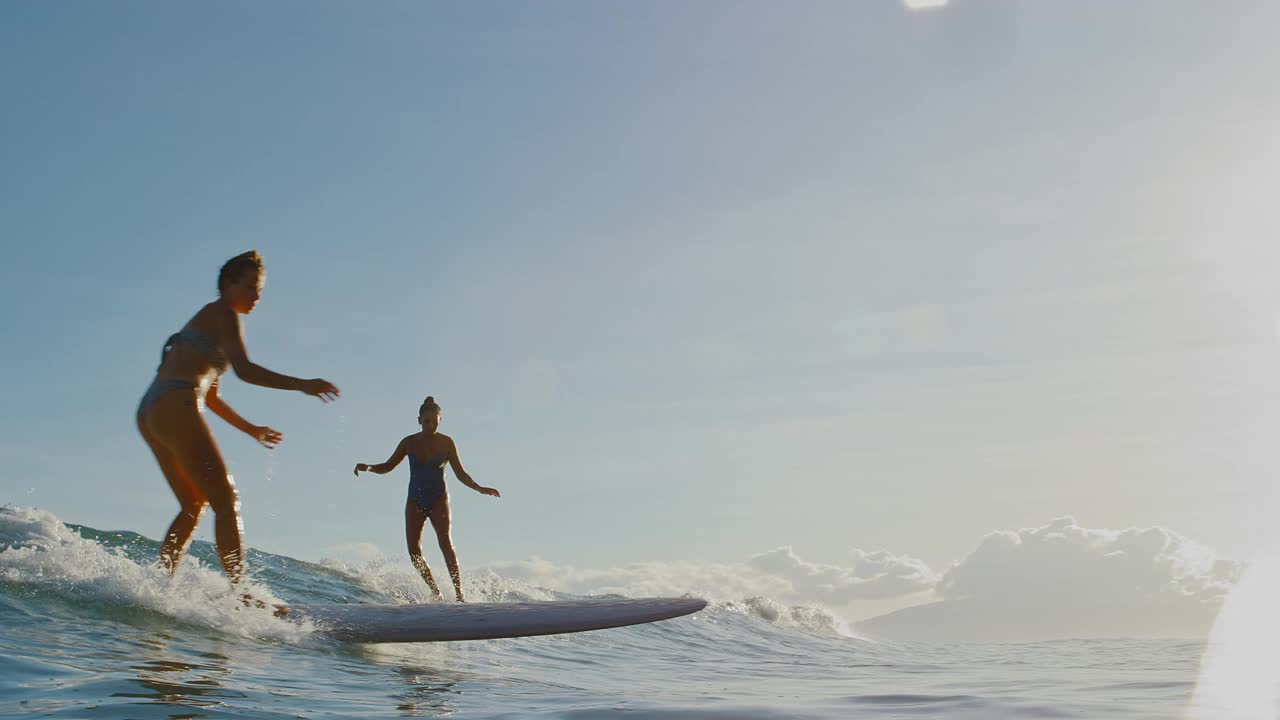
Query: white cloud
[(1058, 580), (1065, 561), (872, 575), (779, 573), (1064, 580)]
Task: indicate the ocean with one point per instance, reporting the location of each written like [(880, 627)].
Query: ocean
[(90, 628)]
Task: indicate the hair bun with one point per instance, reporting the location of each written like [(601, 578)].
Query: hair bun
[(430, 400)]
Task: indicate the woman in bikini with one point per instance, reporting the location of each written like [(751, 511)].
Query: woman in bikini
[(428, 452), (170, 420)]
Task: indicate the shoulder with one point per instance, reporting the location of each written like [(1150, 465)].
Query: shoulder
[(218, 315), (212, 321), (215, 309), (447, 443)]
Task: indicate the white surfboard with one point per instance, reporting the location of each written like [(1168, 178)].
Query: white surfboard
[(480, 621)]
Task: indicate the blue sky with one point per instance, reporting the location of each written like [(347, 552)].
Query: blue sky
[(689, 280)]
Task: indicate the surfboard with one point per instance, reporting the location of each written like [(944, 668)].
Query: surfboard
[(481, 621)]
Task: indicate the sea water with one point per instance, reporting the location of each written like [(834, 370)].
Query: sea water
[(91, 628)]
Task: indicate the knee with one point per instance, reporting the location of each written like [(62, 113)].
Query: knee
[(192, 511)]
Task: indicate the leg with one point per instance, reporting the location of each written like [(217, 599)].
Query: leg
[(440, 521), (175, 422), (190, 500), (414, 518)]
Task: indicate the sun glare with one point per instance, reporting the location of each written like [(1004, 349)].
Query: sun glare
[(1237, 675)]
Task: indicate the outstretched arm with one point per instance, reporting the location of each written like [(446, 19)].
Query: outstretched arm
[(255, 374), (456, 463), (386, 467), (269, 437)]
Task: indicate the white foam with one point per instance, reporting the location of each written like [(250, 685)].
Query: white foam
[(803, 617), (40, 550)]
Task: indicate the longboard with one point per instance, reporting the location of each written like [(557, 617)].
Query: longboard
[(480, 621)]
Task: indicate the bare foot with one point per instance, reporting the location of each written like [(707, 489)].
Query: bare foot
[(281, 610)]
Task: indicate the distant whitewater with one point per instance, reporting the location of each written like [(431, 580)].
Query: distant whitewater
[(90, 627)]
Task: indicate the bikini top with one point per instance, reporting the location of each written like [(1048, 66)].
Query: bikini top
[(201, 343)]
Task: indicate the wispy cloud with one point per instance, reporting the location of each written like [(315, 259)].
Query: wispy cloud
[(923, 4)]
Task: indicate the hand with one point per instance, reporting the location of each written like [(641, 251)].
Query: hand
[(269, 437), (361, 467), (323, 389), (488, 491)]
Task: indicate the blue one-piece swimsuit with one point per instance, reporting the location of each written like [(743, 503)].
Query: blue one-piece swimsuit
[(426, 480)]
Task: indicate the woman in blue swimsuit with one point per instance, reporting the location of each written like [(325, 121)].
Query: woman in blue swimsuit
[(428, 452), (187, 381)]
